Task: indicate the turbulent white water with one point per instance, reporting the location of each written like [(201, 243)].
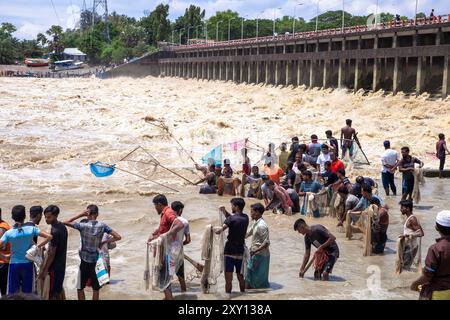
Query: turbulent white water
[(51, 129)]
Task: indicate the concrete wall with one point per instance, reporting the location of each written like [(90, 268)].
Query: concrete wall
[(410, 59)]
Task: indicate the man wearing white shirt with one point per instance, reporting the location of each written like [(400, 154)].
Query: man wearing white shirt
[(323, 157), (389, 160)]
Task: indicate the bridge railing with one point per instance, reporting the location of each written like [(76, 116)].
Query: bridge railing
[(327, 32)]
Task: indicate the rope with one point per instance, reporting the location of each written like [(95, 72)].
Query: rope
[(56, 13)]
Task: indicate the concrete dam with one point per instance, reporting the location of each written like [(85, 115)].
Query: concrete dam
[(407, 56)]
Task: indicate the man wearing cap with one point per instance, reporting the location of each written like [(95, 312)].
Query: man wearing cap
[(434, 283), (389, 161)]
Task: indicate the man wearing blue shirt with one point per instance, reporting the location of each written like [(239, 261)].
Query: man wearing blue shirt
[(21, 272)]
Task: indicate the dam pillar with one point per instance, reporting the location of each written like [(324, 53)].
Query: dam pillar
[(226, 71), (357, 81), (445, 77), (277, 72), (420, 75), (257, 72), (376, 74), (311, 74), (266, 80), (299, 72), (249, 72), (326, 72), (234, 71), (395, 79), (288, 73), (241, 71)]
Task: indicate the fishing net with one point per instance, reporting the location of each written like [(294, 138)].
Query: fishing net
[(212, 254), (101, 170), (358, 156), (363, 225), (167, 257)]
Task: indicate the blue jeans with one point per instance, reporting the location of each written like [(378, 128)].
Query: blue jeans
[(388, 181)]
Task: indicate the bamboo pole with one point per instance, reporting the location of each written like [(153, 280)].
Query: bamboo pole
[(159, 164)]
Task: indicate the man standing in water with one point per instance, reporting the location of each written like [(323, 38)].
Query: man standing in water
[(168, 217), (237, 223), (348, 134), (441, 149), (327, 250), (178, 207), (258, 265), (406, 166), (411, 231), (283, 157), (91, 233), (389, 160), (55, 264)]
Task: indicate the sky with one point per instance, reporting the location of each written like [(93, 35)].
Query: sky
[(33, 16)]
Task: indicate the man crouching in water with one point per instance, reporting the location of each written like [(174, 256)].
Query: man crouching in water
[(327, 250)]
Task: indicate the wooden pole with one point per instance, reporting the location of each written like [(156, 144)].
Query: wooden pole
[(129, 153), (159, 164), (197, 265)]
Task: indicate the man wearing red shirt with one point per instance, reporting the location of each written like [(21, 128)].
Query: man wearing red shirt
[(168, 216), (336, 164)]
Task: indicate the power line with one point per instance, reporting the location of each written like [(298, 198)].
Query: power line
[(56, 13)]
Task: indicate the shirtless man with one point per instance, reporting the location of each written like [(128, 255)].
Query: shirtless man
[(348, 134)]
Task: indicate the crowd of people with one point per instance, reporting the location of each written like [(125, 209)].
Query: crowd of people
[(309, 180), (28, 266)]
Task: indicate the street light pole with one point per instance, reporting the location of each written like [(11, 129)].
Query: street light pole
[(257, 18), (229, 27), (274, 11), (317, 16), (376, 14), (415, 15), (295, 16), (242, 27), (343, 1), (217, 30), (180, 34), (173, 31)]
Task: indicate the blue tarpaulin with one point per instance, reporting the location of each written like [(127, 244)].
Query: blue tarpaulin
[(101, 170), (215, 154)]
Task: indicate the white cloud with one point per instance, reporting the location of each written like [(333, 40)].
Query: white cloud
[(73, 19), (29, 30)]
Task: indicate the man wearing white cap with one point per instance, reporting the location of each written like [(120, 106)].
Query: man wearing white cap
[(434, 284)]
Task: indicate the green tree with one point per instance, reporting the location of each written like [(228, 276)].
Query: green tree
[(55, 44), (41, 39), (8, 44), (157, 25), (191, 19), (29, 49)]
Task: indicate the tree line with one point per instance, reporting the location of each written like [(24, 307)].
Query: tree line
[(130, 37)]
